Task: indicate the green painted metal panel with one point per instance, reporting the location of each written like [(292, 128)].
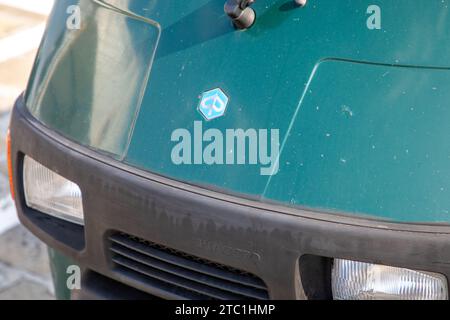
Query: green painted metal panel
[(371, 140), (88, 83), (58, 265), (276, 74)]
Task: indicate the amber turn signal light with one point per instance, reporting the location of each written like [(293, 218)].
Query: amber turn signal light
[(9, 159)]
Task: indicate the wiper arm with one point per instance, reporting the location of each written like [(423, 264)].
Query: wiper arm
[(242, 15)]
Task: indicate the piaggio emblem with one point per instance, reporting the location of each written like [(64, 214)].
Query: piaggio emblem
[(213, 104)]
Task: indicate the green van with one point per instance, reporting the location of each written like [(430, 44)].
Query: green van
[(239, 149)]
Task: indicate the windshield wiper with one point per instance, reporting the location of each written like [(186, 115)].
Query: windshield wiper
[(242, 15)]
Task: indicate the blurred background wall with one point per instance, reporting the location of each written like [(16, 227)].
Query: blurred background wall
[(24, 271)]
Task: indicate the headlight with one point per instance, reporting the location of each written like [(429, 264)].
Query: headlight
[(48, 192), (352, 280)]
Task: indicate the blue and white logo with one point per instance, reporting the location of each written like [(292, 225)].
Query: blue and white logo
[(213, 104)]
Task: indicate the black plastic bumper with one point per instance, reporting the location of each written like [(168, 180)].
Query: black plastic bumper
[(287, 248)]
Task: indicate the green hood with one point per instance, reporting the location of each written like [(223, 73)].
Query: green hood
[(363, 115)]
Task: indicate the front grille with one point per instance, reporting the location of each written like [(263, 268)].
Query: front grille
[(181, 274)]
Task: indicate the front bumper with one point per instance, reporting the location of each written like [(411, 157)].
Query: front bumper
[(287, 248)]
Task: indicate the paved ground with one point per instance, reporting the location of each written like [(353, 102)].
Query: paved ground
[(24, 271)]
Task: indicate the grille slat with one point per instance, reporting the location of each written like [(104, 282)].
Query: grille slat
[(188, 274), (196, 276), (143, 282), (174, 280), (188, 263)]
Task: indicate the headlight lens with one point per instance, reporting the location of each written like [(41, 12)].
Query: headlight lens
[(352, 280), (50, 193)]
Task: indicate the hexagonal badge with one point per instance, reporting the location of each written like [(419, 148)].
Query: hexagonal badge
[(213, 104)]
